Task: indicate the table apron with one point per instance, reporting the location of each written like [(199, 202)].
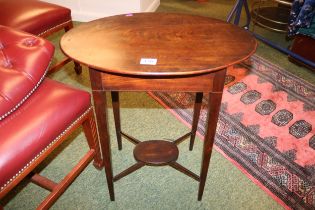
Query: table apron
[(210, 82)]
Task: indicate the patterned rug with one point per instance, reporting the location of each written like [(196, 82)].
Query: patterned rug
[(266, 128)]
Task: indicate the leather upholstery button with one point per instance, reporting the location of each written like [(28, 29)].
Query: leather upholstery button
[(7, 64), (30, 42), (24, 60)]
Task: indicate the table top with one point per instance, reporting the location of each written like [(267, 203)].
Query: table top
[(158, 44)]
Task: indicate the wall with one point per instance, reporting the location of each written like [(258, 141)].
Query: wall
[(86, 10)]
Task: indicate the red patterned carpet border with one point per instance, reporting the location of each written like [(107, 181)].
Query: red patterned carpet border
[(266, 128)]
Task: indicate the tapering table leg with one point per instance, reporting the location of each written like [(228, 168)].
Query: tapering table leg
[(99, 97), (212, 119), (197, 107), (115, 102)]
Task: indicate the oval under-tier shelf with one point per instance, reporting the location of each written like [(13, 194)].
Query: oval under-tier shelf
[(156, 152)]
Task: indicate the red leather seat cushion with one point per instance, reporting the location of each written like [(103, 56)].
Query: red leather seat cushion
[(32, 16), (24, 59), (32, 127)]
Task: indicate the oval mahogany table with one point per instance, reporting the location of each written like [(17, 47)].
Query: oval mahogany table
[(157, 52)]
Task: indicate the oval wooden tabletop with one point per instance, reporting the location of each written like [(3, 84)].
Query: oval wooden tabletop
[(179, 44)]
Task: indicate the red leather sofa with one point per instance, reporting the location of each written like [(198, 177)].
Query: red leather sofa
[(37, 114)]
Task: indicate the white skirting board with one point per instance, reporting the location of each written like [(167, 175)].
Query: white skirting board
[(87, 10)]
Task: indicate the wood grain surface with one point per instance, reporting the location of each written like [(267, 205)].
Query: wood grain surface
[(182, 44)]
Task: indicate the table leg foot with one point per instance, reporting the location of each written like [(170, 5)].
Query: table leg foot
[(112, 196)]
